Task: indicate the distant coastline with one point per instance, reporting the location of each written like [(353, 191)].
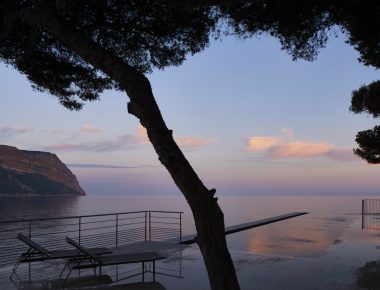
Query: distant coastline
[(35, 173)]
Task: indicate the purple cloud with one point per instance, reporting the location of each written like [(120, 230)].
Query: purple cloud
[(107, 166), (341, 154), (121, 143), (9, 131)]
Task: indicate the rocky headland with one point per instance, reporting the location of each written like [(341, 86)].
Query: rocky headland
[(29, 173)]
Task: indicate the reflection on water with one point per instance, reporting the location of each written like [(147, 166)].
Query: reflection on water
[(321, 250), (308, 235), (14, 208), (88, 281)]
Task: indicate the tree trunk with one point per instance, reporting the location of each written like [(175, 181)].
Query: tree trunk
[(208, 216)]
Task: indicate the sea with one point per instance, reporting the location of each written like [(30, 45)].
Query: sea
[(308, 235), (323, 249)]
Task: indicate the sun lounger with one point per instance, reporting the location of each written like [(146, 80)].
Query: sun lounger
[(36, 252), (92, 261)]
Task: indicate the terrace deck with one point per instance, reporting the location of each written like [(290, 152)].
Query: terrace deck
[(190, 239)]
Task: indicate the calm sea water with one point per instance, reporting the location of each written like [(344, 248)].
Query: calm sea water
[(308, 235)]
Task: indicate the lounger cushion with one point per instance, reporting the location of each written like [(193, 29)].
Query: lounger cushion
[(74, 253), (129, 258)]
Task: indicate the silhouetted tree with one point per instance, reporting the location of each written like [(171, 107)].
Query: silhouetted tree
[(369, 145), (362, 20), (77, 49), (367, 99)]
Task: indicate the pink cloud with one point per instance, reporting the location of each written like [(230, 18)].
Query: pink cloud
[(183, 142), (142, 135), (261, 143), (299, 149), (85, 129), (89, 129), (280, 147), (191, 142), (288, 132)]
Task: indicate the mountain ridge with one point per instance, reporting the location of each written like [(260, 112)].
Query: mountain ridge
[(24, 172)]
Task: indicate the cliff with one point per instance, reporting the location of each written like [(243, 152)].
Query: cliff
[(35, 173)]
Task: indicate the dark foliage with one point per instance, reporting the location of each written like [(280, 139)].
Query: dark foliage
[(361, 18), (144, 34), (368, 276), (137, 36), (154, 34), (369, 145), (367, 99), (149, 34), (301, 26)]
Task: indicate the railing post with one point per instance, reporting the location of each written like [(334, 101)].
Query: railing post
[(180, 227), (80, 229), (29, 264), (362, 214), (145, 220), (117, 230), (30, 229), (150, 227)]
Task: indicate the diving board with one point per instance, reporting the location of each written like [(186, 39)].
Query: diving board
[(190, 239)]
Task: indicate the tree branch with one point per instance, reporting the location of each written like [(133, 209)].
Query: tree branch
[(209, 219), (142, 103)]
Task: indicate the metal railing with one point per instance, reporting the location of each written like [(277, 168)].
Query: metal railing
[(164, 226), (371, 214), (102, 230)]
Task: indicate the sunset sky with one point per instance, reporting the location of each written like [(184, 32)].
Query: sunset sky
[(249, 119)]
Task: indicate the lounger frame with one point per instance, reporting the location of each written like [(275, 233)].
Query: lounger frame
[(36, 253), (88, 260)]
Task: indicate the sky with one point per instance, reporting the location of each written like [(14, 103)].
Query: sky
[(249, 119)]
